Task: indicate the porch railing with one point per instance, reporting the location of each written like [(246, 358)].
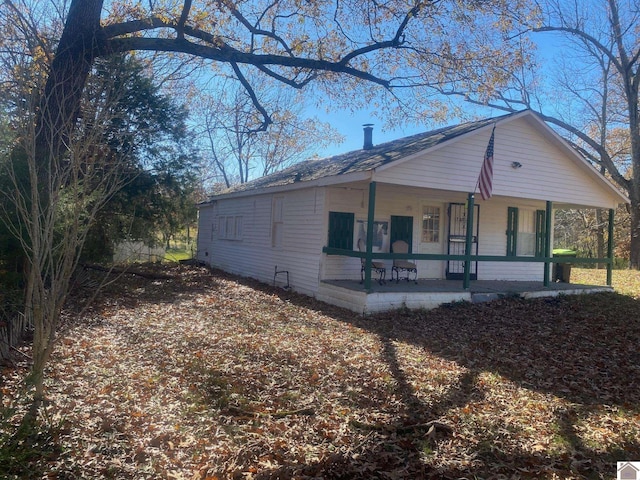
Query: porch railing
[(470, 258)]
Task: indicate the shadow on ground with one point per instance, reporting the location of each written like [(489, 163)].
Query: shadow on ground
[(583, 349)]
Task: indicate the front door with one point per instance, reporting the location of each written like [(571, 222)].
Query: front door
[(431, 234), (457, 237)]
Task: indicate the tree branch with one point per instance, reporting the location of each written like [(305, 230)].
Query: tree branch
[(227, 54), (135, 26), (586, 37), (257, 31), (396, 41), (218, 50), (29, 26), (254, 99), (285, 80), (186, 8)]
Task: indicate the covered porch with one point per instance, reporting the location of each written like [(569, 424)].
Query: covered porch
[(368, 295), (466, 254)]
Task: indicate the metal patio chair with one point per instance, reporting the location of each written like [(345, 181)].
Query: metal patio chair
[(402, 265), (376, 266)]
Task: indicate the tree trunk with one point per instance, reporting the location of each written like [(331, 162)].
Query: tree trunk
[(60, 105), (57, 114), (35, 311), (634, 255)]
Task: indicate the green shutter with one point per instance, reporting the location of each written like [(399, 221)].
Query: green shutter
[(341, 230), (512, 231), (401, 229), (541, 232)]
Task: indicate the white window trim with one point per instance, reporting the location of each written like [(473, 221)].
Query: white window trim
[(526, 229), (277, 221), (230, 227)]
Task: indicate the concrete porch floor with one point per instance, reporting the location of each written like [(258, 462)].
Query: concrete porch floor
[(431, 293), (476, 286)]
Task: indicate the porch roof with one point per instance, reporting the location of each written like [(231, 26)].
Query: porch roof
[(362, 160)]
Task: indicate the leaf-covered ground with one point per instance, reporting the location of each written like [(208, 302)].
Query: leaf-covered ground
[(206, 376)]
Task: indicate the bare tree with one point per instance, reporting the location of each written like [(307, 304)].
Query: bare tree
[(239, 148), (292, 138), (593, 97), (54, 210)]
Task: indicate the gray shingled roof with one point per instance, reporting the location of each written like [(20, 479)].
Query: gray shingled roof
[(360, 160)]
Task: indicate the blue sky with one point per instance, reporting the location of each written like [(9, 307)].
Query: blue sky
[(351, 127), (350, 124)]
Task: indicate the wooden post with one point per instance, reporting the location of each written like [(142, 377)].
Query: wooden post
[(612, 213), (370, 218), (547, 242), (468, 242)]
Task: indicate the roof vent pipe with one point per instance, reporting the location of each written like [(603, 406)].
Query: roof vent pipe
[(368, 136)]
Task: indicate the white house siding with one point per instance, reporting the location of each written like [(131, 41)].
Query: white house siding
[(551, 176), (253, 255), (303, 239), (492, 240), (547, 172), (205, 221)]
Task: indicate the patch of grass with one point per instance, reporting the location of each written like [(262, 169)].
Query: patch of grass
[(175, 255), (625, 282)]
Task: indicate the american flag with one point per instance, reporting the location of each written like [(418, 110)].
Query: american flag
[(485, 181)]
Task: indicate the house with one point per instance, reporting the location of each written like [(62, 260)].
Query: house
[(307, 220)]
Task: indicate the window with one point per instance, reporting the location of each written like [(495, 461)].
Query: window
[(230, 227), (277, 221), (341, 226), (380, 239), (430, 224), (238, 228), (526, 232)]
